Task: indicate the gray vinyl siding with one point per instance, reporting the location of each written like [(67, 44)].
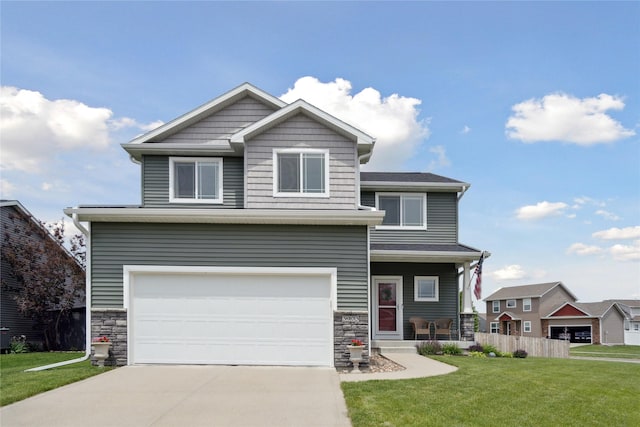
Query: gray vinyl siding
[(224, 123), (116, 244), (301, 132), (155, 184), (442, 221), (612, 328), (448, 304)]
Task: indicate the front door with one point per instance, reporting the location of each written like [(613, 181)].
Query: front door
[(387, 307)]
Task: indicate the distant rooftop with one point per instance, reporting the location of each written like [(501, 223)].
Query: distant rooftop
[(417, 177), (525, 291)]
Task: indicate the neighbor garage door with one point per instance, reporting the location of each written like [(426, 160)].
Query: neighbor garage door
[(244, 317)]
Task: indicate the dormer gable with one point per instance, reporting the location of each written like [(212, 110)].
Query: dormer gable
[(570, 310)]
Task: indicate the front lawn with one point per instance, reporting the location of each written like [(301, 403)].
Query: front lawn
[(614, 351), (15, 384), (503, 391)]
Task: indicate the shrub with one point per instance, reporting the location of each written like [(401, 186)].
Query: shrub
[(478, 354), (19, 345), (429, 347), (488, 348), (451, 349), (476, 348), (506, 354), (520, 354)]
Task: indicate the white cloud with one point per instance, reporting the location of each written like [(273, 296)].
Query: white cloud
[(509, 272), (626, 252), (540, 210), (607, 215), (46, 186), (582, 249), (584, 200), (35, 129), (6, 189), (126, 122), (465, 130), (618, 233), (441, 158), (562, 117), (392, 120)]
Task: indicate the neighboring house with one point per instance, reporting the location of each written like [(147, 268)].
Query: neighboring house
[(586, 322), (518, 310), (259, 241), (631, 308), (15, 219)]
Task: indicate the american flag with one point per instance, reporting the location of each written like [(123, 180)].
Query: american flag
[(477, 290)]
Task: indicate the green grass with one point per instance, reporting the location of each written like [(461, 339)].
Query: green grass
[(504, 392), (15, 384), (613, 351)]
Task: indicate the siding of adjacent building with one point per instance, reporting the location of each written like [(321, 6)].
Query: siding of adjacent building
[(442, 221), (612, 327), (301, 132), (224, 123), (117, 244), (446, 307), (155, 184)]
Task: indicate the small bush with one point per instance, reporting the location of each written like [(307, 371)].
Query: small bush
[(451, 349), (488, 348), (429, 347), (478, 354), (476, 348), (19, 345), (506, 354), (520, 354)]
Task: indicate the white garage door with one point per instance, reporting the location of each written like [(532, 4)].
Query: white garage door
[(246, 317)]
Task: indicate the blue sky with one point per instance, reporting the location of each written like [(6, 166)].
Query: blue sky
[(537, 105)]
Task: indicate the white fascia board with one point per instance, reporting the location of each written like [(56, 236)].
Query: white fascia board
[(208, 108), (422, 256), (428, 186), (226, 216), (363, 140), (160, 148)]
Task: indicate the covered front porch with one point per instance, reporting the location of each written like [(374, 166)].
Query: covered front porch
[(415, 294)]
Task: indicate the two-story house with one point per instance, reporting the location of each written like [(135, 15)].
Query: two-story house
[(517, 310), (551, 310), (259, 241)]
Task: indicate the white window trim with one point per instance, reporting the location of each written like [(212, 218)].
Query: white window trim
[(495, 309), (403, 227), (416, 297), (526, 326), (515, 304), (524, 304), (300, 193), (497, 327), (174, 160)]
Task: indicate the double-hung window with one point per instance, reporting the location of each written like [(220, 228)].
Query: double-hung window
[(495, 305), (526, 304), (403, 210), (195, 180), (425, 288), (495, 327), (526, 326), (301, 173)]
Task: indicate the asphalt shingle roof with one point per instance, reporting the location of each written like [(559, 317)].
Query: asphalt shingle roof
[(405, 177), (524, 291)]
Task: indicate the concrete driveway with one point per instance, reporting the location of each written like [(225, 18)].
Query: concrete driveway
[(189, 396)]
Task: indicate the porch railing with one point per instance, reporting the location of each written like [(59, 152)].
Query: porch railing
[(537, 347)]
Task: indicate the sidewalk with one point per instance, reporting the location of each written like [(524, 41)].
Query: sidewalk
[(416, 366)]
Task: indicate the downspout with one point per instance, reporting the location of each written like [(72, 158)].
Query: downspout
[(369, 208), (87, 346)]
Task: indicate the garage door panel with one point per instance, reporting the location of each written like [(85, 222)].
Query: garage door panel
[(232, 319)]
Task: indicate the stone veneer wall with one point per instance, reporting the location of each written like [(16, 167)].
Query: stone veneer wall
[(467, 326), (350, 325), (111, 323)]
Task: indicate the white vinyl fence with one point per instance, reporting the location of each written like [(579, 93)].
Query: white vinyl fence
[(536, 347)]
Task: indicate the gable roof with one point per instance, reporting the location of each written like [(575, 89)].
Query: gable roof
[(216, 104), (507, 314), (590, 309), (364, 141), (526, 291), (417, 180)]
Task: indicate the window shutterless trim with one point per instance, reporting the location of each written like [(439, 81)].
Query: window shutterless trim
[(423, 196), (495, 309), (526, 325), (524, 305), (495, 325), (300, 152), (195, 161), (436, 290), (515, 303)]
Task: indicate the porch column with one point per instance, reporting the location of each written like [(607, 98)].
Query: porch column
[(467, 308)]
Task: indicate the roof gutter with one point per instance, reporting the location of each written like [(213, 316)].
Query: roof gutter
[(87, 293), (464, 190)]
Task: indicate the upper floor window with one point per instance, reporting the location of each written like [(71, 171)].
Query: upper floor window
[(403, 210), (496, 306), (301, 173), (195, 180), (526, 304), (511, 303), (425, 288)]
